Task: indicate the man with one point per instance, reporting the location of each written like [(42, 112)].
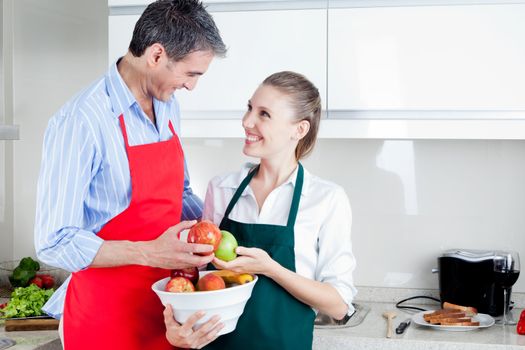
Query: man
[(113, 185)]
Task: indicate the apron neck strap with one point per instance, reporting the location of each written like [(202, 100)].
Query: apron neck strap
[(296, 194), (298, 189)]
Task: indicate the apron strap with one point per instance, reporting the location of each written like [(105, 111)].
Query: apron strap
[(123, 128), (171, 127), (296, 197), (295, 200)]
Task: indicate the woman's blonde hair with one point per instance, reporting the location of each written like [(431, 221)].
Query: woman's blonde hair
[(306, 102)]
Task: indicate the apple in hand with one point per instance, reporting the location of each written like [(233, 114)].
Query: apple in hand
[(205, 232), (191, 273), (179, 285), (210, 282), (227, 246)]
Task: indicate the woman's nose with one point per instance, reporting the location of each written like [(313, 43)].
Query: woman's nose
[(247, 120)]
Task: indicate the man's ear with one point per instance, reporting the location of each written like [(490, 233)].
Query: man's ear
[(154, 54), (302, 129)]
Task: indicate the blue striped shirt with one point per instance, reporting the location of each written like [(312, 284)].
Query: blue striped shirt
[(84, 178)]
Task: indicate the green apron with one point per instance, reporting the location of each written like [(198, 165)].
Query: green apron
[(272, 318)]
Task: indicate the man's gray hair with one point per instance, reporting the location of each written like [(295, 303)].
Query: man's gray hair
[(180, 26)]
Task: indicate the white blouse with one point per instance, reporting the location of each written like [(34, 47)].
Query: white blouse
[(323, 249)]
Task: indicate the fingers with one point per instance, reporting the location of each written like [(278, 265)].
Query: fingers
[(210, 333), (168, 315), (220, 264), (246, 251), (192, 320), (183, 225)]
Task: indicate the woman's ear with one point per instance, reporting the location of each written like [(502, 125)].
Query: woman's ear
[(302, 129)]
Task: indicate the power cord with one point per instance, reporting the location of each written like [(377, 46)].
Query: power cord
[(399, 306)]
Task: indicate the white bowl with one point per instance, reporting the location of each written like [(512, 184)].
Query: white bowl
[(228, 303)]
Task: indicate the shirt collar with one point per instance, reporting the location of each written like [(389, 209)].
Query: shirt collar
[(120, 95), (235, 180)]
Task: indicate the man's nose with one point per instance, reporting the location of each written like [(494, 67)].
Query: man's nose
[(190, 84)]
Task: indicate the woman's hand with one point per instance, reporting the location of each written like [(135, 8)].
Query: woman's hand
[(249, 260), (183, 336)]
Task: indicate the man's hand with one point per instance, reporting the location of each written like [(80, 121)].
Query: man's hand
[(166, 252), (169, 252), (183, 336)]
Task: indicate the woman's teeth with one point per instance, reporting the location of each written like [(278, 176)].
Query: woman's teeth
[(252, 138)]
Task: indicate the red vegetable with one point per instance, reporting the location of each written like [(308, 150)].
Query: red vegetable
[(3, 306), (47, 281), (520, 327), (36, 281)]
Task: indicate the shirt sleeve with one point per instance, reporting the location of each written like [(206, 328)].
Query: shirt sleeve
[(69, 161), (336, 261)]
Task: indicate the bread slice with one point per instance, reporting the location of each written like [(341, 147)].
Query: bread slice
[(468, 310), (445, 316), (452, 315)]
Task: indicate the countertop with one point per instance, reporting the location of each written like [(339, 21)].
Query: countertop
[(370, 334)]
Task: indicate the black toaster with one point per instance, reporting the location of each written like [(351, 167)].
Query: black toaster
[(466, 277)]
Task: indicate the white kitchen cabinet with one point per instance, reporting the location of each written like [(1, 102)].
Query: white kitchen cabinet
[(397, 69), (259, 43), (426, 59)]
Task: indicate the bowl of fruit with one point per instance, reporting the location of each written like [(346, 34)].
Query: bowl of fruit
[(222, 292)]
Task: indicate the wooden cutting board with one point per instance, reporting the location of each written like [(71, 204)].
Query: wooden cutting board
[(37, 324)]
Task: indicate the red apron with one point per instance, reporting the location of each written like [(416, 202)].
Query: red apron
[(115, 308)]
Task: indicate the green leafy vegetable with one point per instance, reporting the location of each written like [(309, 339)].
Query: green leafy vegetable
[(29, 264), (24, 272), (26, 302)]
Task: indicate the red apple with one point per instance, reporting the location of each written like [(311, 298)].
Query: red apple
[(205, 232), (179, 285), (210, 282), (191, 273)]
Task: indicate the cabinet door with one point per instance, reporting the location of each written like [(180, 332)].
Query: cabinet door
[(259, 43), (462, 58)]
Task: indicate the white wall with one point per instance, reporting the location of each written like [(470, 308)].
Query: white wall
[(60, 46), (410, 199)]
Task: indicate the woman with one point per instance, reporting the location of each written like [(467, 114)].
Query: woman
[(293, 228)]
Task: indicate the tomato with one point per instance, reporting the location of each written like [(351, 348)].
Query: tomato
[(47, 281), (522, 315), (36, 281)]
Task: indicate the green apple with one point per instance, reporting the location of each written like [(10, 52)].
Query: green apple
[(227, 246)]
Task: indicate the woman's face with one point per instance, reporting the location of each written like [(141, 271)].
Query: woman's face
[(269, 125)]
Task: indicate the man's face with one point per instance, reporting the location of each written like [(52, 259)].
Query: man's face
[(170, 75)]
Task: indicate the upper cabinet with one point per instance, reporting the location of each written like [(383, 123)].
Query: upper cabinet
[(259, 43), (399, 69), (433, 58)]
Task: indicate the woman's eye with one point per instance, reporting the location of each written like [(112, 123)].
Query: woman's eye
[(249, 107), (265, 114)]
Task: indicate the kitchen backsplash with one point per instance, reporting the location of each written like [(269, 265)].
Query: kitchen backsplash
[(410, 199)]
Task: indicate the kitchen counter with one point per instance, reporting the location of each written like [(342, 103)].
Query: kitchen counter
[(370, 334)]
